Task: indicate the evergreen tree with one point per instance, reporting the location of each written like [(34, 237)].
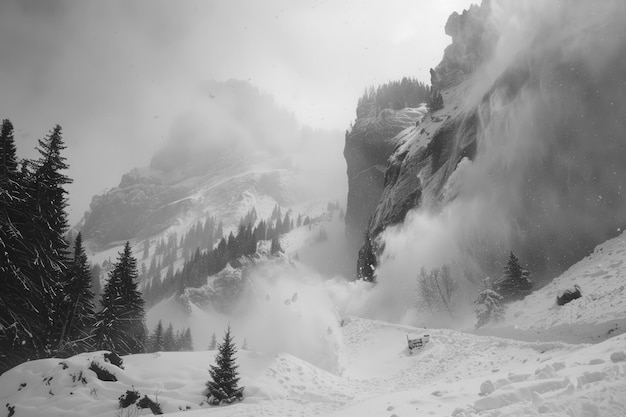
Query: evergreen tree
[(366, 261), (186, 343), (275, 247), (22, 296), (515, 283), (78, 311), (8, 152), (169, 341), (33, 258), (155, 344), (223, 388), (488, 307), (120, 325), (213, 344)]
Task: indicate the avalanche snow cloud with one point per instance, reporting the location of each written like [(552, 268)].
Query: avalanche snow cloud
[(547, 177)]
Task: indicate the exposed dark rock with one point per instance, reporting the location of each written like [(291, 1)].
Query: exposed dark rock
[(567, 295), (472, 41), (368, 146)]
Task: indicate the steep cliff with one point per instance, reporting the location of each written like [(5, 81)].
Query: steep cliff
[(369, 143), (524, 154)]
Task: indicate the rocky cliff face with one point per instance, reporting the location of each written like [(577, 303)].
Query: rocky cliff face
[(523, 154), (369, 143)]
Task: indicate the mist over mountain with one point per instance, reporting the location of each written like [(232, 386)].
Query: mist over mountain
[(231, 142)]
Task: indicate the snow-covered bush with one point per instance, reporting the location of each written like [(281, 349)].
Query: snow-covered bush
[(488, 307)]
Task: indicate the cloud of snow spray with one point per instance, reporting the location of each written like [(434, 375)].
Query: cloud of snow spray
[(547, 178), (545, 182), (288, 308)]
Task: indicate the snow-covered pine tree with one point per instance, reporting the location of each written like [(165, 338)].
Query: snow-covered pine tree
[(223, 388), (515, 283), (120, 325), (78, 312), (488, 307), (213, 344), (22, 295), (48, 226)]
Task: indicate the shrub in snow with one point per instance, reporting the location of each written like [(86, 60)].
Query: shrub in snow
[(223, 387), (128, 398), (114, 359), (567, 295), (514, 284), (146, 402), (488, 307), (102, 373)]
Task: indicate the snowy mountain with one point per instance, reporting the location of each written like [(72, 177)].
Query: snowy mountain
[(234, 151)]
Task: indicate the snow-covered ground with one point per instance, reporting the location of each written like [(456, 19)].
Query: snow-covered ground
[(456, 374), (306, 360), (599, 314)]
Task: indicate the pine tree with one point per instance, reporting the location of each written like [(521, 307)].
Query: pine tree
[(169, 341), (155, 344), (49, 225), (223, 388), (8, 152), (77, 305), (185, 343), (275, 247), (120, 325), (33, 258), (515, 283), (488, 307), (213, 344), (23, 296)]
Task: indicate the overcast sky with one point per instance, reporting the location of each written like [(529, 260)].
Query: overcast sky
[(115, 74)]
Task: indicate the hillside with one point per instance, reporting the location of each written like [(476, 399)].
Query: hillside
[(598, 315)]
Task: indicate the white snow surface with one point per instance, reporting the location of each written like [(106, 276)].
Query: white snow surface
[(597, 315), (456, 374)]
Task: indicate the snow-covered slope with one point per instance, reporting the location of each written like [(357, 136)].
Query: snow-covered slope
[(599, 314), (456, 374)]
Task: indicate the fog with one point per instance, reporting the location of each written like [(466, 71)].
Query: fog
[(547, 180), (117, 74)]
